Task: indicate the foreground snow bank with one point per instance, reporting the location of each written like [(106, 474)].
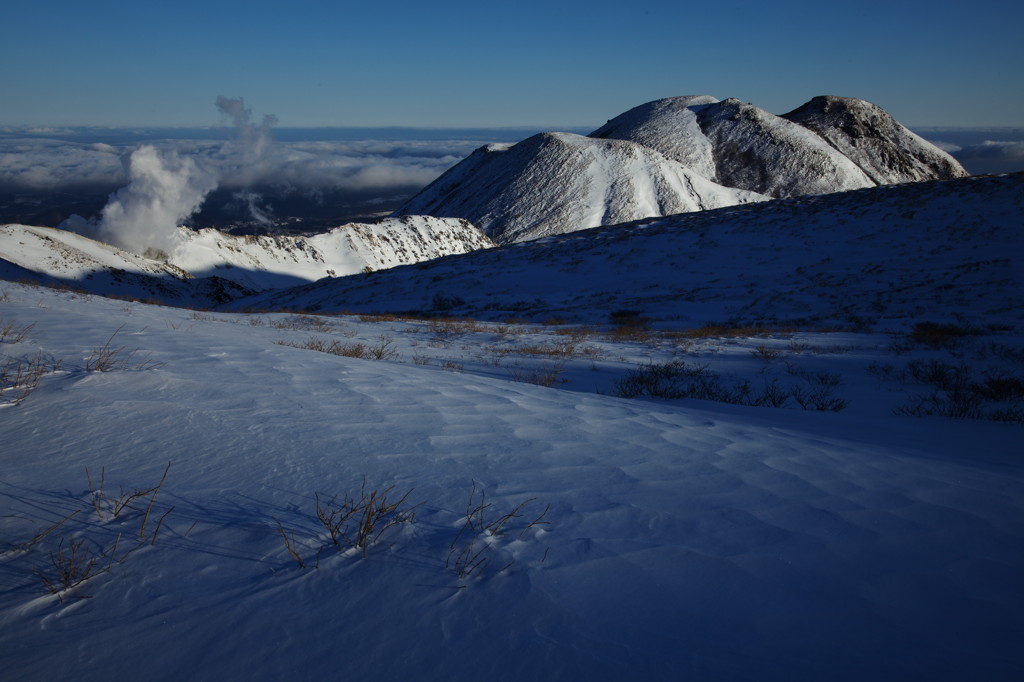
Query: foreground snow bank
[(684, 540)]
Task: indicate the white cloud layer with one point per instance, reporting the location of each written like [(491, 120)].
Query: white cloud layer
[(48, 164)]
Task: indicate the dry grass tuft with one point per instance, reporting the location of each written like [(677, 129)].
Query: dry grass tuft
[(107, 358)]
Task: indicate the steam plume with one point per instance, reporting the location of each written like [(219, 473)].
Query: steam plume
[(165, 188)]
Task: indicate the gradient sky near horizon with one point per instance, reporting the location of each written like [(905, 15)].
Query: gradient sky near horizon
[(457, 64)]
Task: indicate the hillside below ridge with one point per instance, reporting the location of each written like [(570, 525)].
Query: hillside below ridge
[(877, 256)]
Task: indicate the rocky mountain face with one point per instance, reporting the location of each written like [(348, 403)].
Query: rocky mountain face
[(684, 154)]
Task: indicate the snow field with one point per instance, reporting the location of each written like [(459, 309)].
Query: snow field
[(682, 538)]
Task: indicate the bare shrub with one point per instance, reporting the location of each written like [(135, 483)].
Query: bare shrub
[(73, 563), (765, 353), (630, 325), (359, 521), (379, 317), (382, 350), (12, 332), (733, 330), (819, 393), (77, 559), (446, 327), (474, 546), (958, 392), (677, 379), (292, 547), (304, 323), (547, 374), (940, 335), (20, 376)]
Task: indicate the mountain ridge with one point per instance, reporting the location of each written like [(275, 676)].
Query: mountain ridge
[(208, 267), (734, 146)]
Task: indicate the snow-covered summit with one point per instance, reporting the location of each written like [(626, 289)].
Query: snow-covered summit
[(553, 183), (671, 127), (756, 150), (874, 140)]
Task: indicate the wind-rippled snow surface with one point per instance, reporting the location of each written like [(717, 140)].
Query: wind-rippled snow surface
[(683, 539)]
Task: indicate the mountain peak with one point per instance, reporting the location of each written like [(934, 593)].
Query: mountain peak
[(868, 135)]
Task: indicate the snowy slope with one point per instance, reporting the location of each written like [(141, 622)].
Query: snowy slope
[(878, 256), (263, 262), (682, 539), (554, 183), (209, 267), (57, 256)]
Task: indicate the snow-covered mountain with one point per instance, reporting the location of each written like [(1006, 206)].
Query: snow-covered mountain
[(694, 153), (554, 183), (742, 145), (878, 255), (209, 267), (836, 144)]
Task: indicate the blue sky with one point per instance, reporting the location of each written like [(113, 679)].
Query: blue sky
[(455, 64)]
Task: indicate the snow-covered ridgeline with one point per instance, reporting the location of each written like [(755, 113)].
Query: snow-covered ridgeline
[(543, 185), (209, 267), (263, 262)]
